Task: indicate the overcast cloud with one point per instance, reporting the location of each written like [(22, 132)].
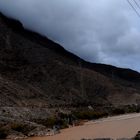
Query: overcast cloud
[(103, 31)]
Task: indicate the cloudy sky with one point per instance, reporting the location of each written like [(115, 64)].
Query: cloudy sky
[(103, 31)]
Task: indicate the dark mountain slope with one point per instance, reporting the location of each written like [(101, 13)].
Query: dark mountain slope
[(35, 71)]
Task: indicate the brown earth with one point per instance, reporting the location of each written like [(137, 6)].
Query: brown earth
[(122, 127)]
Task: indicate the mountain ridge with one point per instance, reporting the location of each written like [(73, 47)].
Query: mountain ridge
[(41, 83), (30, 59), (18, 27)]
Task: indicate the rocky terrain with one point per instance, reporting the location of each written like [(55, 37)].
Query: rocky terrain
[(40, 79)]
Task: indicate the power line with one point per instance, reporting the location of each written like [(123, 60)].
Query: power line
[(136, 3), (133, 8)]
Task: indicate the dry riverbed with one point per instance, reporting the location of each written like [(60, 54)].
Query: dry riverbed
[(124, 126)]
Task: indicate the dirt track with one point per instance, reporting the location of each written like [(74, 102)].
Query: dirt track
[(125, 126)]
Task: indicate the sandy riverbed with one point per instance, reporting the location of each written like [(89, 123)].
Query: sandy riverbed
[(124, 126)]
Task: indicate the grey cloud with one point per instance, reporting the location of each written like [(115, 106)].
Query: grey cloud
[(102, 31)]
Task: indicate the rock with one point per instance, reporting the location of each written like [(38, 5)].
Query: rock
[(14, 135), (43, 132), (137, 137)]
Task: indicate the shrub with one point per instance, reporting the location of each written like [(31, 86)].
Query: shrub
[(118, 111), (3, 133), (132, 109), (137, 137), (23, 128), (62, 123), (89, 115), (50, 122), (18, 127)]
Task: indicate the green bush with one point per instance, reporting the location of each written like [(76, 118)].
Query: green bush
[(89, 115), (23, 128), (62, 123), (50, 122), (18, 127), (132, 109), (118, 111)]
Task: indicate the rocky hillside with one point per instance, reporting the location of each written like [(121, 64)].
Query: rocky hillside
[(35, 71), (39, 78)]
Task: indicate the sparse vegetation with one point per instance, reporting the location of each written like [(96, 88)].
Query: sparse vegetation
[(53, 121), (50, 122), (23, 128), (17, 127), (3, 133), (118, 111), (89, 115)]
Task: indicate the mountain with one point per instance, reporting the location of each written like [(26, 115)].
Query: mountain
[(35, 71), (38, 74)]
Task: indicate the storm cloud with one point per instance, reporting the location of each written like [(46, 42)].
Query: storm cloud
[(103, 31)]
